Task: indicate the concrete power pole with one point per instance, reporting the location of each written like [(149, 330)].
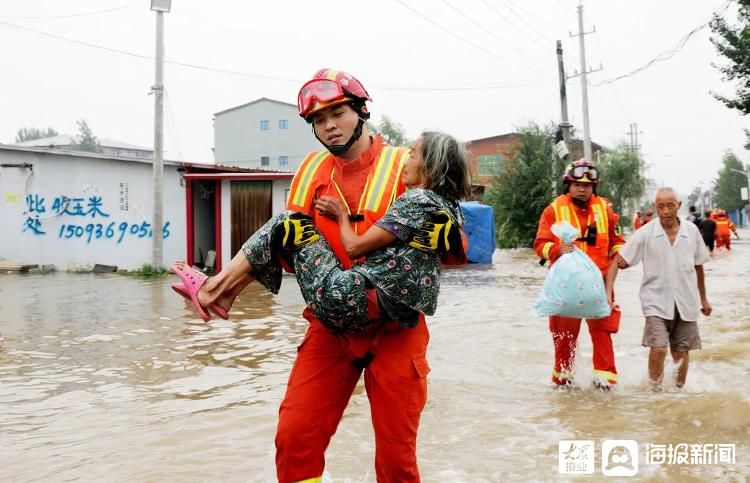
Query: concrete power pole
[(564, 124), (633, 133), (587, 152), (158, 90)]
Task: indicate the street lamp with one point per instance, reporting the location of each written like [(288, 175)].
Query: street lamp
[(747, 175), (159, 6)]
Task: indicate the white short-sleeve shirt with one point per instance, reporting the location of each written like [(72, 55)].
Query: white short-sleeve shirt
[(669, 276)]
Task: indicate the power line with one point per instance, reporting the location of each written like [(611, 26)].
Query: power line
[(489, 5), (266, 77), (462, 88), (147, 57), (478, 47), (562, 6), (535, 17), (541, 35), (490, 32), (669, 53), (82, 14)]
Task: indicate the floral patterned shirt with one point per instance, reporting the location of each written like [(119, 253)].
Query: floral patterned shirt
[(408, 278)]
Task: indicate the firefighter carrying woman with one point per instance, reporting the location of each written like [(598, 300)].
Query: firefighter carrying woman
[(367, 316), (600, 239)]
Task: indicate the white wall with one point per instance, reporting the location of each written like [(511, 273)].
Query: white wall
[(39, 229), (239, 141)]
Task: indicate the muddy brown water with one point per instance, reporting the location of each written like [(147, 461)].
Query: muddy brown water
[(109, 378)]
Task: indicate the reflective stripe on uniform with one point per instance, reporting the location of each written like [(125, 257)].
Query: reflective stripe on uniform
[(615, 249), (600, 216), (605, 376), (317, 479), (546, 248), (301, 189), (562, 374), (380, 178), (399, 168)]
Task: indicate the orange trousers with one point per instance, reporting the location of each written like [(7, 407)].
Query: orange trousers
[(565, 336), (322, 381), (724, 241)]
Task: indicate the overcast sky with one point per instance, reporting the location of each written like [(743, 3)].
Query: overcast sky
[(474, 68)]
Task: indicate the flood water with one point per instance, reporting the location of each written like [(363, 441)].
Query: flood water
[(109, 378)]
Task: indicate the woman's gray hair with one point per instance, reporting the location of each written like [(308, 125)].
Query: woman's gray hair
[(446, 164)]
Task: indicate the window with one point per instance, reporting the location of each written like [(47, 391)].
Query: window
[(489, 164), (264, 126), (265, 160), (283, 124), (283, 160)]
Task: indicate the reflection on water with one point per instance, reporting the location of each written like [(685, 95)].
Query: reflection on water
[(104, 377)]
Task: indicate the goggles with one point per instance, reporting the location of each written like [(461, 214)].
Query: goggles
[(318, 90), (579, 172)]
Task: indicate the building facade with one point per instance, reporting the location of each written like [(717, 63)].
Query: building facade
[(488, 154), (75, 210), (265, 134)]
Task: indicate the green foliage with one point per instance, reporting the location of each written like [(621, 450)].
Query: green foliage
[(393, 133), (523, 188), (733, 43), (87, 141), (31, 133), (695, 196), (148, 271), (727, 186), (622, 180)]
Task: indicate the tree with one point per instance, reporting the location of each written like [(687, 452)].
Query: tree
[(393, 133), (622, 180), (30, 133), (523, 188), (86, 140), (728, 185), (695, 196), (733, 42)]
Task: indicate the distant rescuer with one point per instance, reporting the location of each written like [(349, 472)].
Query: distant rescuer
[(600, 239), (673, 286)]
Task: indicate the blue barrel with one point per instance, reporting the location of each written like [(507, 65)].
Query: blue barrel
[(480, 231)]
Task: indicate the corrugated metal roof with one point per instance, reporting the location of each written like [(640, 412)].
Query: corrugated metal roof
[(129, 159), (67, 140)]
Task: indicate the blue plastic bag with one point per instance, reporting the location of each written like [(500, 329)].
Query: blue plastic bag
[(574, 286)]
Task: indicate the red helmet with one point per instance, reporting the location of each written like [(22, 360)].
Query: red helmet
[(649, 212), (581, 171), (327, 88)]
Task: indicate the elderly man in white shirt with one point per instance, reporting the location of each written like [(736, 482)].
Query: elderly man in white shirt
[(673, 286)]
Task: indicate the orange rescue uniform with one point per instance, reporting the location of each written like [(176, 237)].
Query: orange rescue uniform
[(323, 377), (598, 212), (724, 227)]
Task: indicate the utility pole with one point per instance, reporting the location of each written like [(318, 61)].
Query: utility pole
[(633, 133), (587, 153), (158, 90), (564, 125)]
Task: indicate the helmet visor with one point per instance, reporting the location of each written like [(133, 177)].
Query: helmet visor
[(320, 90), (590, 172)]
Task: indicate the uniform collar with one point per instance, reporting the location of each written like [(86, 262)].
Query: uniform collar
[(364, 159)]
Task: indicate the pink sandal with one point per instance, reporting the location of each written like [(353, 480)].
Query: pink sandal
[(182, 290), (192, 281)]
